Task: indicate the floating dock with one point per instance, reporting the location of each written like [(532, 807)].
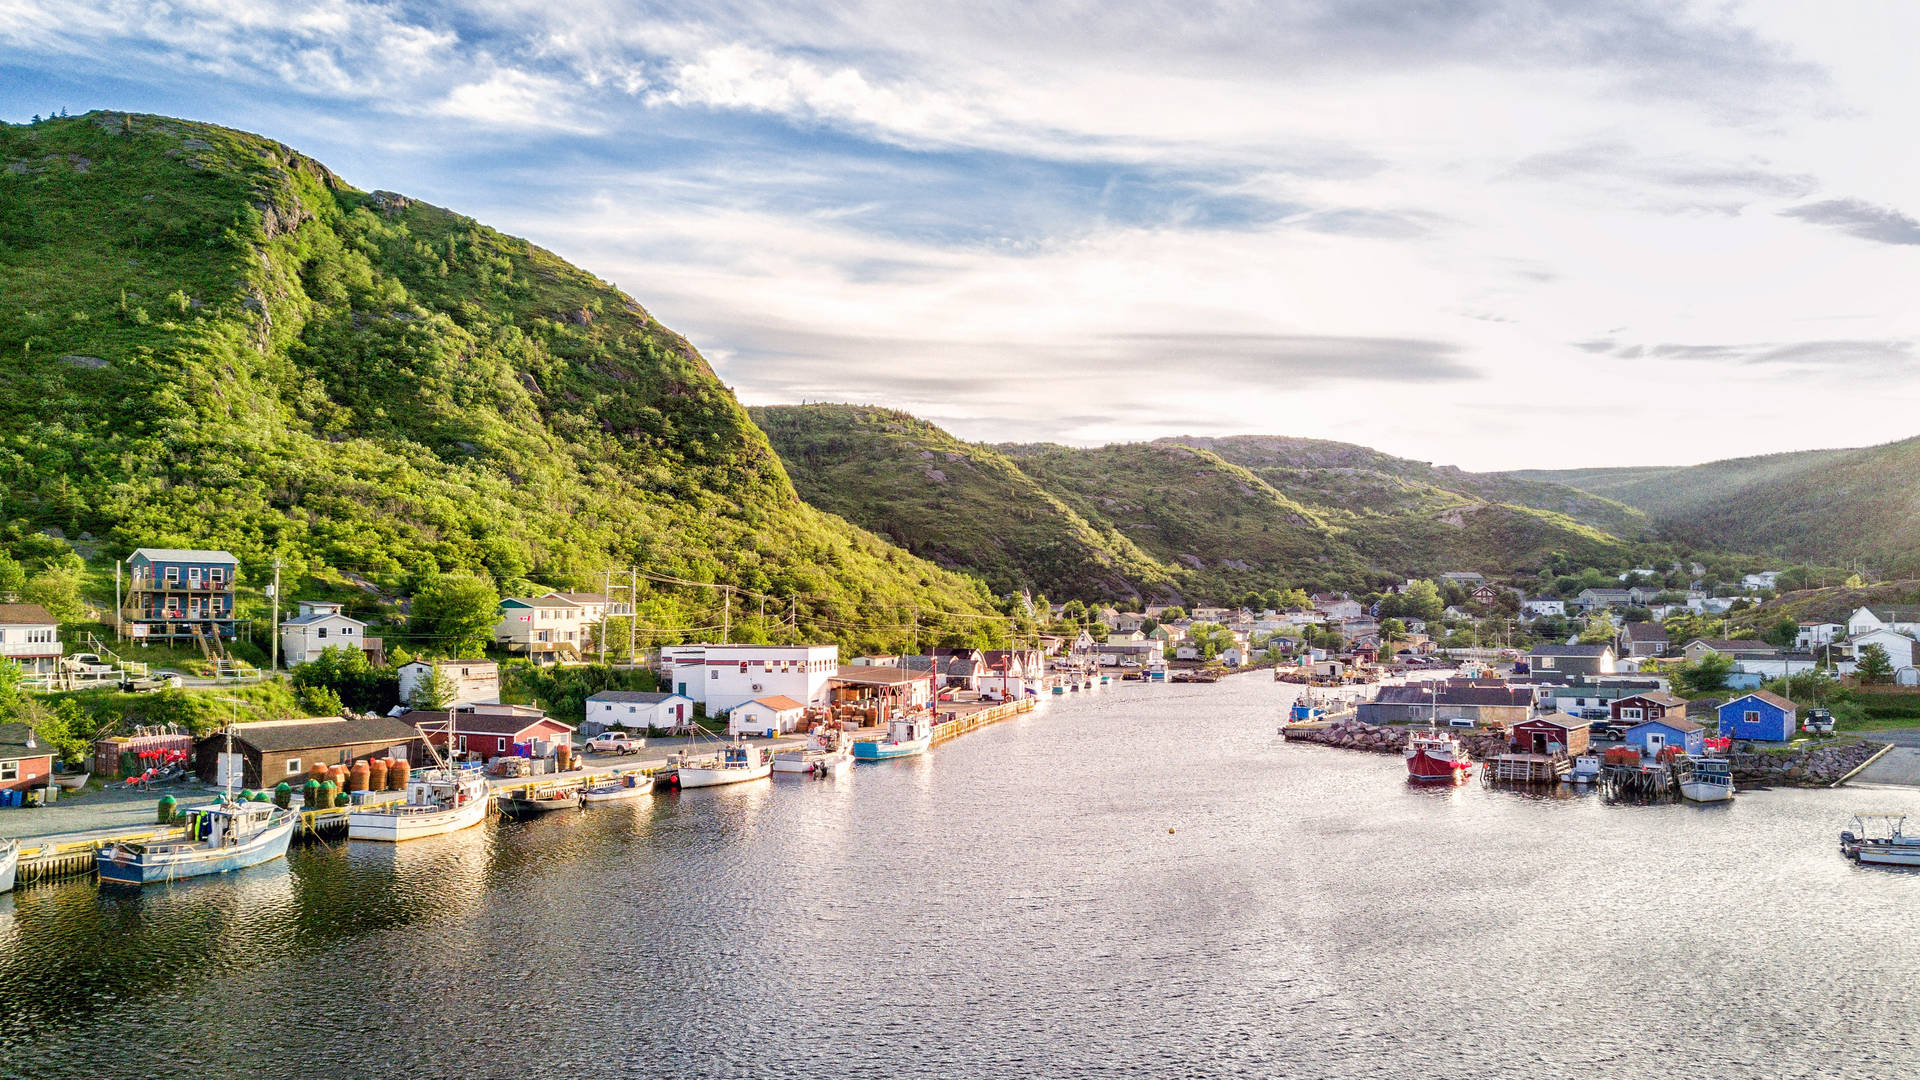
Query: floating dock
[(947, 730)]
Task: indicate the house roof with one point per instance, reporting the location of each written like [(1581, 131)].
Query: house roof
[(1750, 646), (13, 742), (1677, 723), (1559, 720), (1659, 697), (320, 616), (484, 723), (277, 736), (778, 703), (546, 600), (184, 555), (1456, 695), (483, 665), (582, 597), (26, 614), (634, 697), (1767, 696), (877, 675), (1546, 649), (1887, 614), (1645, 631)]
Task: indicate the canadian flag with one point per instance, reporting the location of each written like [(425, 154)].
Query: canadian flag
[(526, 618)]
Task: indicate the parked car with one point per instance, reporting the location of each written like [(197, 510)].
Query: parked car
[(1606, 732), (1462, 722), (616, 742), (1818, 722), (1597, 712)]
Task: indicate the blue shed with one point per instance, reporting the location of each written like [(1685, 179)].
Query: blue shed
[(1761, 715), (1653, 736)]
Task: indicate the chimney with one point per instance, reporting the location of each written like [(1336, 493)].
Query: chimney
[(31, 744)]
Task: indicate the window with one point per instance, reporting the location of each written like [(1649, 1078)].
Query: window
[(714, 674), (322, 632), (9, 770), (216, 575), (293, 766), (1630, 714), (1752, 717), (193, 575), (172, 574), (463, 744)]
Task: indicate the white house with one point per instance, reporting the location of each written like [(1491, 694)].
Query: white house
[(319, 625), (474, 682), (1866, 619), (1233, 656), (636, 710), (1337, 606), (554, 624), (1814, 635), (1541, 607), (1765, 579), (30, 637), (1899, 647), (723, 676), (773, 715)]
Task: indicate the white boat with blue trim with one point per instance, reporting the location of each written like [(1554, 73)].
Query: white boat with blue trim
[(9, 861), (905, 738), (231, 834)]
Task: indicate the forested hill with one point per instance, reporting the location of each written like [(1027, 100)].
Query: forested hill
[(1856, 506), (212, 340), (1174, 519)]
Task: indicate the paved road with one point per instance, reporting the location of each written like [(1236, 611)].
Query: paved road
[(1898, 767), (1898, 736)]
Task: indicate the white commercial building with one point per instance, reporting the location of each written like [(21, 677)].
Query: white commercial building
[(723, 676)]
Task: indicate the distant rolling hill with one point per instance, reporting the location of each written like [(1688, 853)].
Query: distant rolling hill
[(1187, 519), (1831, 506)]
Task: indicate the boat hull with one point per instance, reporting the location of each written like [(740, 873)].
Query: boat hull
[(621, 793), (1706, 792), (886, 751), (9, 864), (1887, 855), (149, 868), (537, 807), (812, 762), (393, 828), (701, 777)]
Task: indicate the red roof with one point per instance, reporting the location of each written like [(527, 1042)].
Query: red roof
[(778, 703)]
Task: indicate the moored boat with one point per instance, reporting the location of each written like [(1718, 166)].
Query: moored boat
[(1880, 841), (9, 862), (441, 800), (71, 781), (1436, 757), (231, 834), (825, 754), (1706, 779), (905, 738), (617, 789), (1586, 769), (533, 803), (737, 763)]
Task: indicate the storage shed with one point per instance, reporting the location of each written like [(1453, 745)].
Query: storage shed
[(1762, 715), (768, 716), (270, 751), (1549, 733)]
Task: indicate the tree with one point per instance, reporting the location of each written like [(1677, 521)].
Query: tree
[(1419, 600), (1707, 676), (13, 577), (1210, 638), (455, 613), (1875, 666), (352, 679), (57, 588), (433, 691), (1173, 614), (1784, 632), (1392, 629), (1599, 630), (320, 701)]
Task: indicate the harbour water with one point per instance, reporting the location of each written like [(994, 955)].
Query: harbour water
[(1143, 882)]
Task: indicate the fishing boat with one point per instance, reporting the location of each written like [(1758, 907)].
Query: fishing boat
[(825, 754), (617, 789), (905, 738), (1436, 757), (1586, 769), (1305, 710), (534, 803), (1706, 779), (1880, 841), (440, 799), (231, 834), (737, 762), (9, 862)]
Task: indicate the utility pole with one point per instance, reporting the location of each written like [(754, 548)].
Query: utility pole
[(119, 613), (726, 615), (606, 593), (763, 615), (633, 612), (276, 614)]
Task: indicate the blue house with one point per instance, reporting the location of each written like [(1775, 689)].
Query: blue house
[(1653, 736), (1760, 715), (175, 593)]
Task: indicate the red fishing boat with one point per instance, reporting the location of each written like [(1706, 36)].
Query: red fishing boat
[(1435, 757)]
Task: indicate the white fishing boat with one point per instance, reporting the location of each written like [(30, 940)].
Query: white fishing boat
[(1879, 841), (1706, 779), (9, 862), (905, 738), (617, 789), (1586, 770), (231, 834), (735, 764), (441, 799), (827, 753)]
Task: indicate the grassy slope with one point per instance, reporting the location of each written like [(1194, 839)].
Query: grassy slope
[(1818, 505), (229, 346), (957, 504)]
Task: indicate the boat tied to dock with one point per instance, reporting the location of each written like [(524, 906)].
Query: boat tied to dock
[(907, 737)]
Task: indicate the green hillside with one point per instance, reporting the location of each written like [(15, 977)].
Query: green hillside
[(211, 340), (1855, 506), (960, 505)]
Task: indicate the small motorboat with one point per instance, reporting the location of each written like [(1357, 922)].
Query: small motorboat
[(826, 754), (9, 862), (1880, 841), (231, 834), (534, 803), (71, 781), (1586, 769), (617, 789)]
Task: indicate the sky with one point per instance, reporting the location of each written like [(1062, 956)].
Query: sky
[(1485, 233)]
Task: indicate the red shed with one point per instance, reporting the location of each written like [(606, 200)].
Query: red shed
[(1654, 705), (488, 731), (25, 761), (1540, 734)]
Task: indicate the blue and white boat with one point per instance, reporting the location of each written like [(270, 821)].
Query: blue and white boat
[(905, 738), (231, 834), (9, 859)]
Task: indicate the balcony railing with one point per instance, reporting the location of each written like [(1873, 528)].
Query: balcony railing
[(29, 648), (149, 585)]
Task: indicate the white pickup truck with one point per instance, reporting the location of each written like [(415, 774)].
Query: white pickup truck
[(616, 742)]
